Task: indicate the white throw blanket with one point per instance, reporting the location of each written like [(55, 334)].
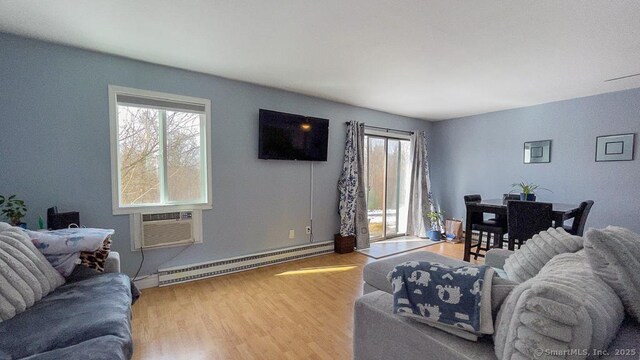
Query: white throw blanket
[(566, 306), (614, 255), (25, 275), (537, 251), (62, 247)]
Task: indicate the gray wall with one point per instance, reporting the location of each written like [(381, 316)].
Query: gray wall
[(483, 154), (54, 147)]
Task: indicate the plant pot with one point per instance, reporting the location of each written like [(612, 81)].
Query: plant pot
[(527, 197), (434, 235)]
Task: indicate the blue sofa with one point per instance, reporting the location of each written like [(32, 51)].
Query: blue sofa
[(89, 317)]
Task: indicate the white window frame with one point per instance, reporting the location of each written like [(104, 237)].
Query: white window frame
[(388, 134), (381, 134), (205, 131)]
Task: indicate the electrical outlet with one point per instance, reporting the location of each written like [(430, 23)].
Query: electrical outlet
[(308, 230), (292, 234)]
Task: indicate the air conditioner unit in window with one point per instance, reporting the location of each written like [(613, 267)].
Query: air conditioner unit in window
[(166, 229)]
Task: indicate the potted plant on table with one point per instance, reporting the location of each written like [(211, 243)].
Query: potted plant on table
[(14, 210), (527, 190), (435, 233)]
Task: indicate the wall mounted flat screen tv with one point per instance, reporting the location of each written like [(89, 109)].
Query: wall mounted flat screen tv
[(292, 137)]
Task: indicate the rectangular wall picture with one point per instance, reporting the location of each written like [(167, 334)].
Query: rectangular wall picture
[(615, 147), (537, 152)]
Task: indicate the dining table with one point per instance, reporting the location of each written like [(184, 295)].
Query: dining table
[(561, 213)]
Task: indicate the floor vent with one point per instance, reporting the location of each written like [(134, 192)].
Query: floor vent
[(187, 273)]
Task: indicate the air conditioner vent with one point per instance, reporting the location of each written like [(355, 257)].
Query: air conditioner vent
[(166, 232), (166, 229)]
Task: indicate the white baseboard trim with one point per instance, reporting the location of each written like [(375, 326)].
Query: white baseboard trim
[(147, 281)]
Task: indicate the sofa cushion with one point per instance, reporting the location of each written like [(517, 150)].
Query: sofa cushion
[(78, 312), (537, 251), (25, 275), (566, 306), (108, 347), (614, 254)]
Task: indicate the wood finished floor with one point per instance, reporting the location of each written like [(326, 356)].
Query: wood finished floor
[(296, 310)]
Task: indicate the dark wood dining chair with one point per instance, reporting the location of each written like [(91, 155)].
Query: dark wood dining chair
[(496, 227), (505, 198), (527, 218), (580, 220)]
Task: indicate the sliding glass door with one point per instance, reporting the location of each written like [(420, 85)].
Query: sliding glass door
[(387, 177)]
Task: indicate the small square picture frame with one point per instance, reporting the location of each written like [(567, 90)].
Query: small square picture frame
[(620, 147), (537, 152)]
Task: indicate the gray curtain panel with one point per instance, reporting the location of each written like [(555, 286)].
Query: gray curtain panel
[(353, 201), (420, 198)]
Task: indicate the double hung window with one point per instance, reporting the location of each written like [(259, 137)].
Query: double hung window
[(160, 151)]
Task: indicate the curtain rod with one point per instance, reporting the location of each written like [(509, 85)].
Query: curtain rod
[(385, 129)]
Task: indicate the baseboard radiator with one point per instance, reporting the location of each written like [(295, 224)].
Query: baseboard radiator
[(181, 274)]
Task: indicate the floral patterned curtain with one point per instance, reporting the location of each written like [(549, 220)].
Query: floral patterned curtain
[(353, 202), (420, 198)]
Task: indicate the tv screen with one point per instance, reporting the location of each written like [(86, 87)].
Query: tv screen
[(292, 137)]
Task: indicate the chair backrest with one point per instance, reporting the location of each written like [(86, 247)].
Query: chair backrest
[(527, 218), (472, 198), (476, 218), (577, 228)]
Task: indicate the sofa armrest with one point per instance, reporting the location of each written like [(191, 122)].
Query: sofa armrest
[(378, 334), (496, 257), (112, 263)]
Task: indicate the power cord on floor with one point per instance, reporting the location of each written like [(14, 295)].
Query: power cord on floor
[(141, 263), (142, 260)]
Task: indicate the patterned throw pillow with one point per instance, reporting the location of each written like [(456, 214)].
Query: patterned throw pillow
[(95, 260)]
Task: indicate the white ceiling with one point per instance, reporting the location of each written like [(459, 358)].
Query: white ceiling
[(420, 58)]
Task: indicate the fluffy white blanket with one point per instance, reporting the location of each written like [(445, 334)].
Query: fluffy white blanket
[(614, 255), (537, 251), (566, 306), (25, 275)]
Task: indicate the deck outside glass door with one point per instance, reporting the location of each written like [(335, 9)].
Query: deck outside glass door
[(387, 176)]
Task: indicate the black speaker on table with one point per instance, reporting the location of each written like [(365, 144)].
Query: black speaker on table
[(56, 220)]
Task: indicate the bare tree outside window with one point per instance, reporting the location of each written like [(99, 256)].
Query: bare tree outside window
[(142, 135), (184, 167), (139, 152)]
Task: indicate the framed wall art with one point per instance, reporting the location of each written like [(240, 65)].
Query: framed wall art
[(615, 147), (537, 152)]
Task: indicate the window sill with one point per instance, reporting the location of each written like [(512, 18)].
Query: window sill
[(159, 208)]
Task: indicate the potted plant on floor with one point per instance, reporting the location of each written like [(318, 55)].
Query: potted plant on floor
[(14, 210), (527, 190), (435, 233)]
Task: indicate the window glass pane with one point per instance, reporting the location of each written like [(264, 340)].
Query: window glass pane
[(139, 154), (375, 182), (184, 163)]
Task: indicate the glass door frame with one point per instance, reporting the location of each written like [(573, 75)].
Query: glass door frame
[(386, 136)]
